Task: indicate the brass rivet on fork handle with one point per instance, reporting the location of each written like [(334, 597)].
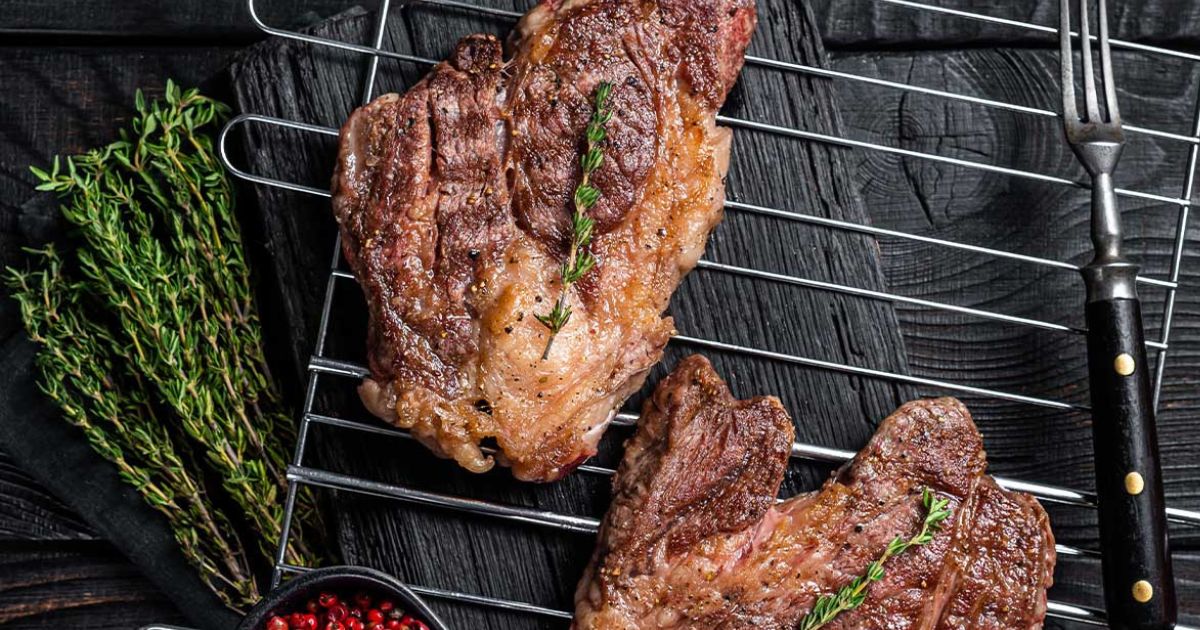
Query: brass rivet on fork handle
[(1133, 530), (1142, 591), (1134, 483), (1124, 364)]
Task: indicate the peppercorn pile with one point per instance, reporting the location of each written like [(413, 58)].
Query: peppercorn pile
[(329, 612)]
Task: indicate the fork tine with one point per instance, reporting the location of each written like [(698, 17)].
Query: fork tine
[(1066, 61), (1110, 86), (1089, 74)]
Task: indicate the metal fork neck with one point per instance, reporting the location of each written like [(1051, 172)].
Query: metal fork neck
[(1098, 154), (1109, 275)]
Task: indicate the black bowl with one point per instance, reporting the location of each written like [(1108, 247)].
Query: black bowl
[(291, 596)]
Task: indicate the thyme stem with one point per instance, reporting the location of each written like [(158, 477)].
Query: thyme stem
[(852, 595), (579, 260)]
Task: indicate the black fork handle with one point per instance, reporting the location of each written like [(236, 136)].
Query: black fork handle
[(1139, 585)]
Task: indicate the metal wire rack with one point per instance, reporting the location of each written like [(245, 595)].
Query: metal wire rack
[(322, 366)]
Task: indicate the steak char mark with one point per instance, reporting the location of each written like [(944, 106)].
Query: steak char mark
[(695, 538), (454, 204)]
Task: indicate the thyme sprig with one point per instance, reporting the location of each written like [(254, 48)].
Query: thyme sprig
[(852, 595), (579, 260), (150, 335), (84, 376)]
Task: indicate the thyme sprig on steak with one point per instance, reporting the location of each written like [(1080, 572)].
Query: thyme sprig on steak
[(852, 595), (579, 259)]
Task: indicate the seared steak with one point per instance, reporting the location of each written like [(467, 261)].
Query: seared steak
[(454, 206), (695, 539)]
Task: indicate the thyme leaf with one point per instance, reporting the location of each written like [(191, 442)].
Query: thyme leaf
[(579, 260)]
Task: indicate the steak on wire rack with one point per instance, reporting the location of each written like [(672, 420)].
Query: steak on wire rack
[(694, 537), (454, 206)]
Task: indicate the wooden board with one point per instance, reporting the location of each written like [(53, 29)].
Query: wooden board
[(148, 23), (64, 97), (80, 584), (27, 512), (1046, 220), (863, 24), (1025, 441), (541, 566), (881, 25)]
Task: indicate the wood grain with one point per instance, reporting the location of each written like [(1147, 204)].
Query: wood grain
[(905, 194), (225, 22), (28, 512), (876, 24), (844, 23), (82, 584), (1045, 220)]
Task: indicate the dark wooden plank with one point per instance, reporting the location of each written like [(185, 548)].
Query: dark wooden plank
[(29, 512), (941, 350), (876, 24), (80, 584), (1024, 441), (530, 564), (1045, 220), (844, 23), (141, 23)]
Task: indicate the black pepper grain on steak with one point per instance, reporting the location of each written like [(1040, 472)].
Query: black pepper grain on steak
[(453, 202), (694, 537)]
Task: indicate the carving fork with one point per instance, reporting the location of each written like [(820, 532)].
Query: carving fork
[(1139, 589)]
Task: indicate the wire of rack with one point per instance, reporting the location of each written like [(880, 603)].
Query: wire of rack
[(322, 366)]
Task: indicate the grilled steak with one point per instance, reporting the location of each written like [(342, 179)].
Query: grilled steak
[(454, 206), (695, 539)]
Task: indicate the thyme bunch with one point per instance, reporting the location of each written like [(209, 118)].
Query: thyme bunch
[(852, 595), (579, 260), (97, 392), (149, 334)]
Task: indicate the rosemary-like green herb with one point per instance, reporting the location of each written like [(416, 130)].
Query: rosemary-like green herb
[(579, 259), (852, 595), (149, 335), (99, 392)]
